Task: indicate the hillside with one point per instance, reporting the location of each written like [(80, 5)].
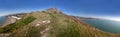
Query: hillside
[(51, 23)]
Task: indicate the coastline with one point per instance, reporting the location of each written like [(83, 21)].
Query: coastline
[(12, 18)]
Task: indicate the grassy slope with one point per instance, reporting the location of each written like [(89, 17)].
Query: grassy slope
[(31, 30), (61, 26), (12, 27), (66, 26)]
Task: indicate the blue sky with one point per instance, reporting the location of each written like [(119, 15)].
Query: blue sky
[(90, 8)]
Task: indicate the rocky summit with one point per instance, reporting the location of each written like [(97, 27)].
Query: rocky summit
[(50, 23)]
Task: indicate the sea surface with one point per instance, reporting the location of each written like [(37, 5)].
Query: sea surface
[(105, 25), (2, 20)]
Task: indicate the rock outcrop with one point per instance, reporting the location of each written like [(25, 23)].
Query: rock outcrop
[(52, 10)]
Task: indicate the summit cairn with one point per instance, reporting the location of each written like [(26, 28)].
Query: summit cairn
[(50, 10)]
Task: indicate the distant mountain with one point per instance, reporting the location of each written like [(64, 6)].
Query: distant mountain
[(50, 23), (84, 18)]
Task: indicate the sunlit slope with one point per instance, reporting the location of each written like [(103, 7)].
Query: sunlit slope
[(52, 24)]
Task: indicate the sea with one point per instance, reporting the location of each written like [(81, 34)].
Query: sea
[(2, 20), (105, 25)]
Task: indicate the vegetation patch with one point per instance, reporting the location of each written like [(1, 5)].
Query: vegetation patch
[(18, 24)]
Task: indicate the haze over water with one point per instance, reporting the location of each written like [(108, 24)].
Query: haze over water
[(105, 25)]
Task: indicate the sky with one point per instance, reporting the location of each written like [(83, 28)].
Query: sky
[(109, 9)]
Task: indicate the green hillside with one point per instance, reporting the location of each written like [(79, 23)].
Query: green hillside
[(52, 24)]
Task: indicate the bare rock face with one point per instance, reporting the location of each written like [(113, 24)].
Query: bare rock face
[(13, 18), (52, 10)]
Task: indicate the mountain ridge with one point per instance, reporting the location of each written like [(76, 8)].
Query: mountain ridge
[(51, 23)]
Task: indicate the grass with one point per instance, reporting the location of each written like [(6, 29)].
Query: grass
[(60, 26), (67, 27), (34, 32), (15, 26)]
